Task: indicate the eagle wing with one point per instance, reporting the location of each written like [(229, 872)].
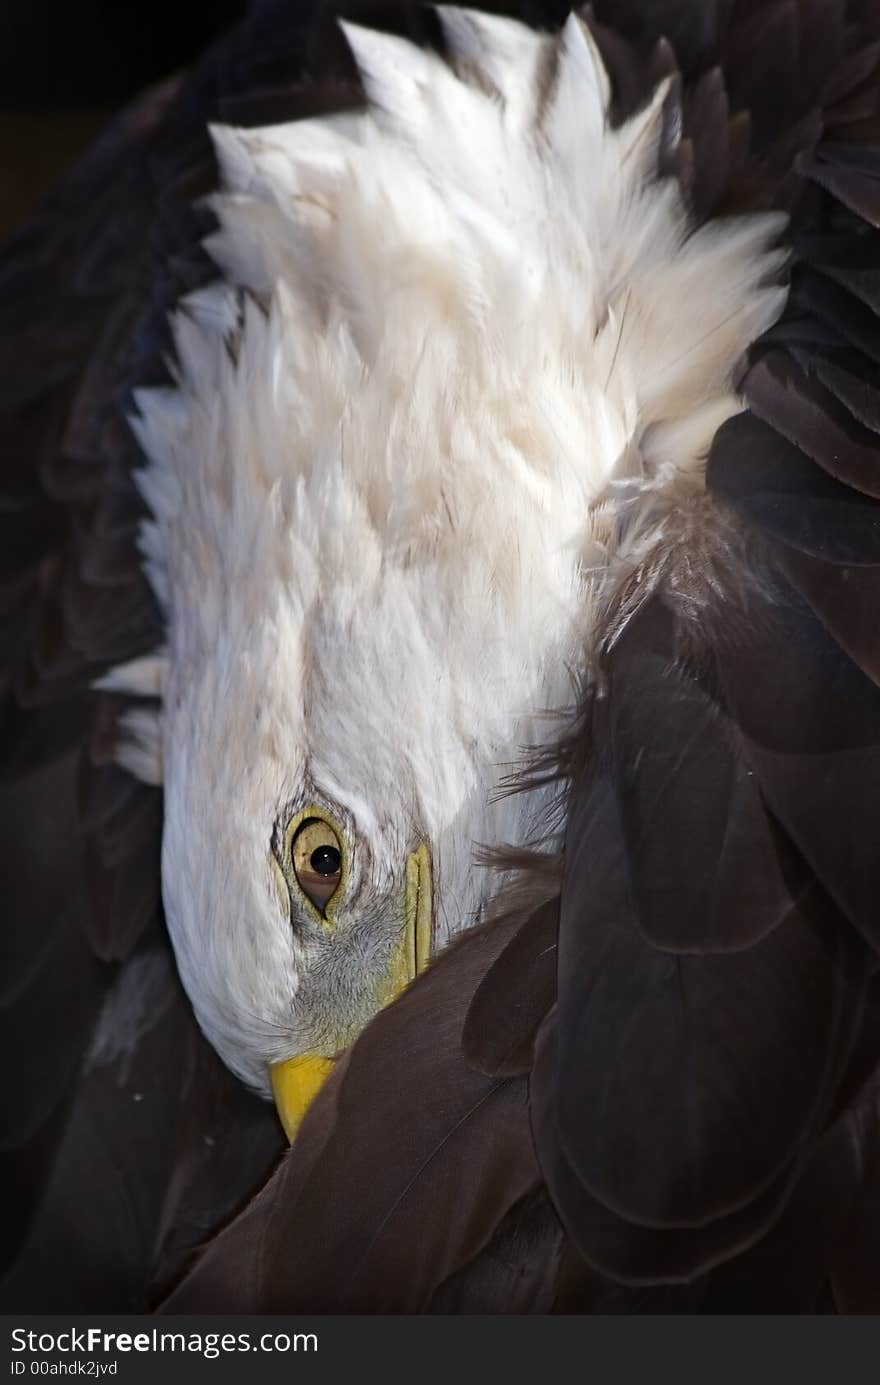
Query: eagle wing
[(124, 1140)]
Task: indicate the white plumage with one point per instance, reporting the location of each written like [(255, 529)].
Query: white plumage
[(463, 370)]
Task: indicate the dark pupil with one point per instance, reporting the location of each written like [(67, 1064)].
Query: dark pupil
[(325, 860)]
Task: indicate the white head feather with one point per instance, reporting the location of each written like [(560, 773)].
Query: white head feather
[(454, 330)]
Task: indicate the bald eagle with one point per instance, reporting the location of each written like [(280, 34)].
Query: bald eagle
[(442, 680)]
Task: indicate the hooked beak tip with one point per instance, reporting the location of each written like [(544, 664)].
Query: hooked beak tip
[(295, 1084)]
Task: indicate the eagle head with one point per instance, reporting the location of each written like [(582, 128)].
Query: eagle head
[(464, 361)]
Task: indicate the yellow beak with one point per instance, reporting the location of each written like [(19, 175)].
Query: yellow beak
[(414, 949), (295, 1084), (297, 1081)]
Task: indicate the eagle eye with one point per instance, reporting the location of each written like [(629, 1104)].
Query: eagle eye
[(326, 860), (316, 857)]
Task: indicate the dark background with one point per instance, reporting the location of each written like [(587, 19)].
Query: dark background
[(67, 65)]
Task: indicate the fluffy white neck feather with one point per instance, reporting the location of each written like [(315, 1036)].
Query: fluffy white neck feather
[(479, 356)]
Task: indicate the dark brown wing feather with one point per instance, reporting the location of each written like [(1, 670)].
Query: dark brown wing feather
[(704, 1096), (709, 990), (718, 926), (84, 293), (401, 1174)]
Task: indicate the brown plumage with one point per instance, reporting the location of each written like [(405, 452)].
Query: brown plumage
[(652, 1086)]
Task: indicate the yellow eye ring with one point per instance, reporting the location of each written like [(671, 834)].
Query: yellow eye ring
[(316, 863), (317, 860)]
